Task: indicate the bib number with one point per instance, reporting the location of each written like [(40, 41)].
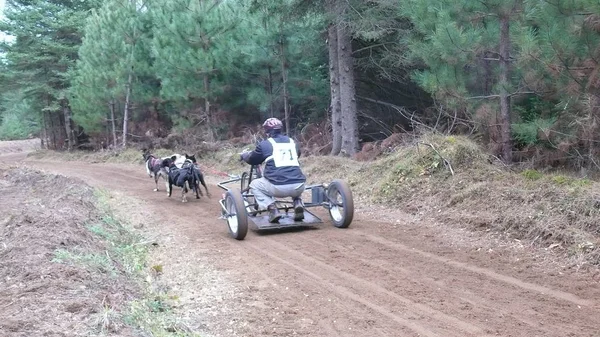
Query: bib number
[(284, 154)]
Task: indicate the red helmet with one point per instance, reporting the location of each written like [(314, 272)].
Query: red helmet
[(272, 124)]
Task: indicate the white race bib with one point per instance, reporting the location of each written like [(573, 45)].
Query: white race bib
[(284, 154)]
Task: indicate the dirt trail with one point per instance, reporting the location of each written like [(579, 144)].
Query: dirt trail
[(377, 278)]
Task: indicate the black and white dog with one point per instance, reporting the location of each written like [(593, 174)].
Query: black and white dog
[(199, 177), (183, 177), (154, 168)]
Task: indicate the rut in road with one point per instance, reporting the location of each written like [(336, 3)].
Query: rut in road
[(367, 280)]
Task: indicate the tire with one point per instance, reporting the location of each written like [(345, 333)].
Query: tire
[(338, 192), (245, 182), (237, 222)]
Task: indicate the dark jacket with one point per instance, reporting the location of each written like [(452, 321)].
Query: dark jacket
[(282, 175)]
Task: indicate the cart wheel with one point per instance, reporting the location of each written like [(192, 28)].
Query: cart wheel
[(237, 219), (341, 208), (245, 182)]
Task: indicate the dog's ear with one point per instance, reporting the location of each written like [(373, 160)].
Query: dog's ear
[(174, 158)]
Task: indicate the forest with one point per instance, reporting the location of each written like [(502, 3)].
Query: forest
[(521, 77)]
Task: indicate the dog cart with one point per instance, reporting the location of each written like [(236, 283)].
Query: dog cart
[(238, 205)]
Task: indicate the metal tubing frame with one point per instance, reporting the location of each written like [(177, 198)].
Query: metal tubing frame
[(245, 195)]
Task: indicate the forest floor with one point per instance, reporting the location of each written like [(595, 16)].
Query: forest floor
[(394, 272)]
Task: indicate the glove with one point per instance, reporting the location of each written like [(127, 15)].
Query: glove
[(244, 155)]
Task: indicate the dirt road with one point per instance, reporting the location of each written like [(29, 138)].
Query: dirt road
[(400, 277)]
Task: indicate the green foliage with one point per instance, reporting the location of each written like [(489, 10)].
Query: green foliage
[(570, 181), (532, 174), (527, 133), (116, 43), (18, 119), (45, 39)]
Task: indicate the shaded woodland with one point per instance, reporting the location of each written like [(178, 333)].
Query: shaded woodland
[(519, 76)]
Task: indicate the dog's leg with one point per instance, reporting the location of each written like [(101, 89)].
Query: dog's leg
[(196, 183), (156, 182), (184, 193), (204, 184), (148, 168)]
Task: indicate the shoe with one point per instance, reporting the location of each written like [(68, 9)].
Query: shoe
[(274, 214), (298, 210)]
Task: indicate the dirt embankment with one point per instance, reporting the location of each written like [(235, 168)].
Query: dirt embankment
[(57, 278), (68, 265)]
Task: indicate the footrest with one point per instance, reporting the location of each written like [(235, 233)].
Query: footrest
[(261, 222)]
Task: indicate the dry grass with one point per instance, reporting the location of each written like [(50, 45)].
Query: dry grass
[(68, 264), (547, 210)]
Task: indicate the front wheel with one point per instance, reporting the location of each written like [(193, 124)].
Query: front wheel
[(341, 204), (237, 218), (245, 181)]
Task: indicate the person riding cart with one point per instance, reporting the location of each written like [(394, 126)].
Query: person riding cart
[(282, 176)]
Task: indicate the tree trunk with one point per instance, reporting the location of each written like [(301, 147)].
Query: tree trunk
[(271, 112), (70, 136), (334, 88), (207, 108), (286, 109), (127, 105), (113, 121), (347, 88), (44, 131), (504, 95)]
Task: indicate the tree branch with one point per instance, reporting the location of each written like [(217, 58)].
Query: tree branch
[(444, 160)]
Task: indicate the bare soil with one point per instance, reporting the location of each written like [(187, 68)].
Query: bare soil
[(389, 274), (40, 295)]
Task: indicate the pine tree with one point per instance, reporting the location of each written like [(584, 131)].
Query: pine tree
[(565, 61), (46, 37), (454, 38), (114, 54), (191, 47), (346, 130)]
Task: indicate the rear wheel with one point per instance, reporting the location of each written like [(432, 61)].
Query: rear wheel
[(237, 218), (341, 208)]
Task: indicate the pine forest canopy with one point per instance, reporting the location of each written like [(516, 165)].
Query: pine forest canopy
[(522, 74)]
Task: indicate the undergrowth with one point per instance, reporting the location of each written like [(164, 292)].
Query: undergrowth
[(452, 179)]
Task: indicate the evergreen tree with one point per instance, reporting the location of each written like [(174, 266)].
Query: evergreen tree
[(565, 60), (46, 35), (191, 46), (115, 53), (457, 40)]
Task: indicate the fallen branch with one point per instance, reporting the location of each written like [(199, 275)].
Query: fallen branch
[(444, 160)]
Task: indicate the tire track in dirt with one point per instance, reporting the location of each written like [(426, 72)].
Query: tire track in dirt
[(316, 268), (345, 292), (382, 283), (480, 304), (277, 305), (474, 269), (333, 313)]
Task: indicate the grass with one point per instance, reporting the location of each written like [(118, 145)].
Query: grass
[(126, 254), (548, 209)]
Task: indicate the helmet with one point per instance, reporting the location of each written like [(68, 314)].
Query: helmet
[(272, 124)]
